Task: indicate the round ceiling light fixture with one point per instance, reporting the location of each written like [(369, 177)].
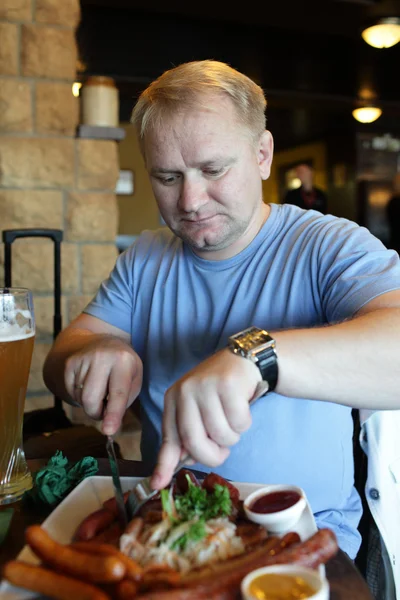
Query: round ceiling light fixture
[(383, 34), (367, 114)]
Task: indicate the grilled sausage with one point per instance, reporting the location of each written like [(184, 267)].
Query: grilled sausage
[(134, 571), (182, 484), (212, 479), (49, 583), (111, 504), (267, 549), (97, 569), (152, 505), (160, 577), (315, 551), (251, 533), (110, 535), (222, 580), (125, 590), (94, 524)]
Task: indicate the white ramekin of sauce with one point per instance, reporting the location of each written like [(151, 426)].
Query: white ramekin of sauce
[(285, 582), (276, 507)]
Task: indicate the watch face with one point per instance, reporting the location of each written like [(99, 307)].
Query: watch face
[(251, 338)]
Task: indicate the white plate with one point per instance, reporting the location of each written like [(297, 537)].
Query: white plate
[(89, 496)]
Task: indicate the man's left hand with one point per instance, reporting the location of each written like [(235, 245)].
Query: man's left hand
[(205, 412)]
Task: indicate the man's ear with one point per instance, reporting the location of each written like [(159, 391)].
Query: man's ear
[(265, 153)]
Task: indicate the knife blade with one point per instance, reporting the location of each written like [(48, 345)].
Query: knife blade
[(119, 497)]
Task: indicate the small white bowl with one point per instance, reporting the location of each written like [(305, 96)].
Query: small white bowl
[(282, 520), (312, 577)]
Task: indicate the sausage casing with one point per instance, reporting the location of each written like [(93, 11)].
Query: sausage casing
[(134, 571), (212, 479), (49, 583), (98, 569), (182, 484), (94, 524)]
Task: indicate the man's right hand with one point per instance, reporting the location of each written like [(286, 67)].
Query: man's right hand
[(109, 368), (92, 361)]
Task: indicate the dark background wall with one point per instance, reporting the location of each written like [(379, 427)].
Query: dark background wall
[(312, 69), (308, 56)]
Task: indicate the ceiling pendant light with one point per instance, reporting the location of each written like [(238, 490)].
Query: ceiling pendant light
[(384, 34), (367, 114)]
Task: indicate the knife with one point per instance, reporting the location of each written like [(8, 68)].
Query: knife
[(119, 497)]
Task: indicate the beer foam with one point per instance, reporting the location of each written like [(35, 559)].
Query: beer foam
[(12, 332)]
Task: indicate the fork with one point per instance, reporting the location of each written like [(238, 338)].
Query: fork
[(142, 491)]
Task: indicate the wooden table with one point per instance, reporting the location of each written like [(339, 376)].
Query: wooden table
[(345, 581)]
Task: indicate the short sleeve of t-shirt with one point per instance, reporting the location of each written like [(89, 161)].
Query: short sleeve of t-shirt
[(354, 268), (113, 302), (116, 298)]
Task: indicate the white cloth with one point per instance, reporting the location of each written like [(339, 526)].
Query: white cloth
[(380, 440)]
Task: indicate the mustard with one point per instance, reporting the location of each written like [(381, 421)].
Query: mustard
[(273, 586)]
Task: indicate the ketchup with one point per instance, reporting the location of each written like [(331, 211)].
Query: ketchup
[(275, 501)]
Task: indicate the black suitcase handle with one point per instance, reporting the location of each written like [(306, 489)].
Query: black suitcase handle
[(9, 236)]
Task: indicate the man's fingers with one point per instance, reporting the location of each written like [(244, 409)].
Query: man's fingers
[(194, 436), (74, 378), (170, 452), (237, 413), (184, 455), (136, 383), (223, 455), (215, 422), (167, 461), (93, 392), (119, 387)]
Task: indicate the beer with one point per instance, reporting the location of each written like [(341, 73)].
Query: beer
[(16, 345)]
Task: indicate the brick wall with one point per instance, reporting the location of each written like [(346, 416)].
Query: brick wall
[(48, 177)]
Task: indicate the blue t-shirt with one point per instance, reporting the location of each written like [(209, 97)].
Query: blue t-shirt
[(301, 270)]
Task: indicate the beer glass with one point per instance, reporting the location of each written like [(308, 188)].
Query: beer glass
[(17, 335)]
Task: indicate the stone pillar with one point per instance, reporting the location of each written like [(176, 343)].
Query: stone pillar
[(48, 177)]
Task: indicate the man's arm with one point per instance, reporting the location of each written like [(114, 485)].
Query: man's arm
[(355, 363), (91, 360)]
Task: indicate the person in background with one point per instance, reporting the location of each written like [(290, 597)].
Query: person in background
[(235, 299), (307, 196), (393, 215)]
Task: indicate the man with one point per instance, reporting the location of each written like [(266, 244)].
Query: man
[(326, 290), (307, 195)]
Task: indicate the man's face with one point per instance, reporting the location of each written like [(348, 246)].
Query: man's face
[(206, 175)]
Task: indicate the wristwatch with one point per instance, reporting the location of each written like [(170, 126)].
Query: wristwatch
[(259, 347)]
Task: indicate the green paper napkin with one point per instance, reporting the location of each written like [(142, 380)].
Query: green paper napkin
[(5, 520), (54, 481)]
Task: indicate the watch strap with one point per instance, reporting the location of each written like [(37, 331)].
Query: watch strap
[(268, 365)]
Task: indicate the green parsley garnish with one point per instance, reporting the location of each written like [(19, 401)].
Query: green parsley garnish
[(166, 503), (198, 503), (195, 505)]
